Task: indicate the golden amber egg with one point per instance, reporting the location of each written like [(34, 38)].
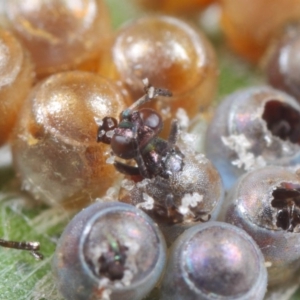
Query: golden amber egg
[(250, 25), (55, 152), (174, 6), (172, 54), (16, 78), (60, 34)]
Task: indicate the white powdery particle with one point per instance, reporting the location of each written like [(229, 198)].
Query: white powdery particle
[(111, 195), (5, 156), (165, 112), (131, 267), (188, 201), (25, 186), (127, 278), (200, 157), (236, 142), (127, 184), (182, 117), (188, 138), (241, 145), (268, 264), (134, 248), (287, 149), (98, 121), (145, 81), (106, 293), (110, 133), (110, 160), (151, 92), (268, 140), (148, 204), (142, 184)]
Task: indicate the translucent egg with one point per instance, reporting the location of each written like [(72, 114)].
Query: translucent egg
[(16, 79), (282, 62), (214, 261), (60, 34), (172, 54), (174, 6), (55, 152), (250, 25), (109, 251)]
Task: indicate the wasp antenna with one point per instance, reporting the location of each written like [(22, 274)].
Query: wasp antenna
[(37, 255), (33, 247), (153, 92), (150, 93), (174, 132), (146, 83)]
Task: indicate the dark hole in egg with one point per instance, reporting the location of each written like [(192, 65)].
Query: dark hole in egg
[(287, 201), (282, 120)]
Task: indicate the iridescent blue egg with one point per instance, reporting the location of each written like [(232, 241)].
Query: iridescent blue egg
[(252, 128), (109, 251), (214, 261), (266, 204)]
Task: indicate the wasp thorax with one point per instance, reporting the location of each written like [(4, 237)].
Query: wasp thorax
[(191, 193)]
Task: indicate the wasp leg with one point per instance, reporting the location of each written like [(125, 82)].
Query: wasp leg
[(202, 216), (150, 93), (139, 158), (174, 132), (126, 169), (33, 247), (142, 167)]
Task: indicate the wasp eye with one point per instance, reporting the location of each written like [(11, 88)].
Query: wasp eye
[(151, 119), (123, 145)]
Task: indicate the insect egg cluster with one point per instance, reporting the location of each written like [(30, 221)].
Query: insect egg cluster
[(99, 123), (215, 260)]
